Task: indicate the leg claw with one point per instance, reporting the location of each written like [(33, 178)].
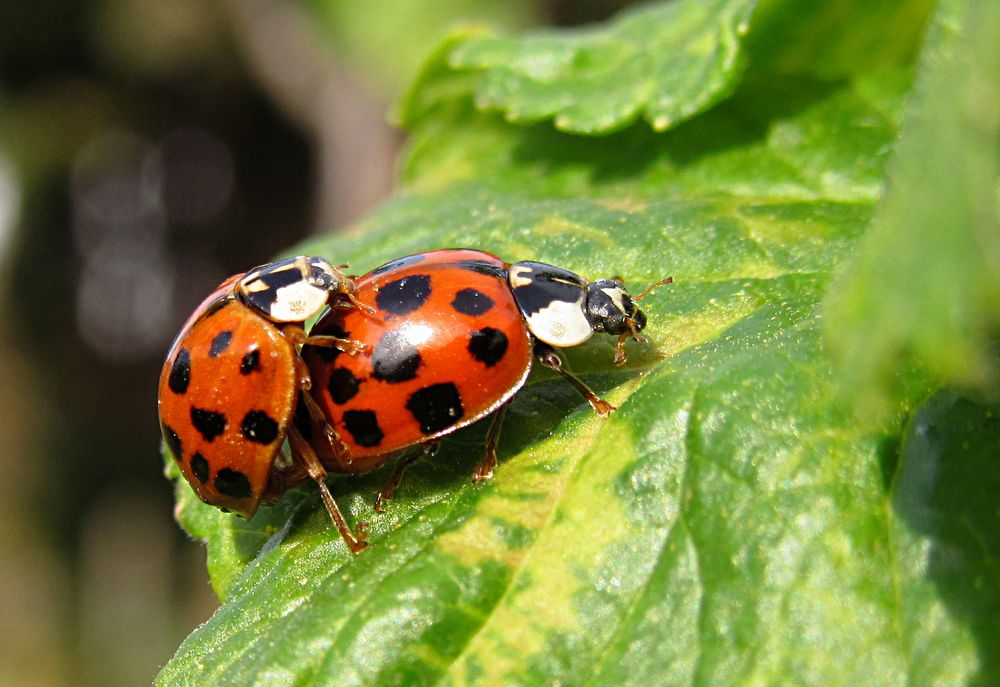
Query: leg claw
[(483, 472)]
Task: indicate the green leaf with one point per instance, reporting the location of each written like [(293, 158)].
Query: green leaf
[(836, 38), (730, 523), (926, 283), (663, 62)]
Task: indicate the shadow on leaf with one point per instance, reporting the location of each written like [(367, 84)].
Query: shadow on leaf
[(947, 490)]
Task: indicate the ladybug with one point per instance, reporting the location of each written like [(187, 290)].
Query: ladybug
[(232, 383), (451, 341)]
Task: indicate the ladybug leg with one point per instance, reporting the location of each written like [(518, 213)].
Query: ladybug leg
[(346, 345), (550, 359), (620, 355), (346, 298), (388, 492), (334, 443), (484, 470), (633, 331), (301, 448), (297, 336), (367, 309)]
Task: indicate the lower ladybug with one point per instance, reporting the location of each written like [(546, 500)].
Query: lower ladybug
[(233, 379), (451, 341)]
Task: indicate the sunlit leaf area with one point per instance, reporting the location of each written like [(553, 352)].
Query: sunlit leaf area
[(800, 483)]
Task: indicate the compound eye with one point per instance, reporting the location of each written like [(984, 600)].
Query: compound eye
[(639, 320)]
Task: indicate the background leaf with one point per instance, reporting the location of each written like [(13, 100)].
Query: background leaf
[(838, 38), (663, 62), (926, 283), (731, 523)]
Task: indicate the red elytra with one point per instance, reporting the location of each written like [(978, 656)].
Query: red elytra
[(231, 382), (446, 346), (227, 368)]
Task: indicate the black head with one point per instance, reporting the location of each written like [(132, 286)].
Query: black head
[(611, 309)]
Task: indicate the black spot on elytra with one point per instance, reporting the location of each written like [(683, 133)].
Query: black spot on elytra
[(482, 267), (436, 407), (209, 423), (342, 385), (258, 426), (199, 467), (395, 359), (402, 262), (173, 442), (472, 302), (325, 353), (488, 346), (403, 296), (250, 362), (233, 484), (363, 426), (220, 343), (180, 372)]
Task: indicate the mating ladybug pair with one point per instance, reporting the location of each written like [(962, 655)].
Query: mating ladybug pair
[(404, 355)]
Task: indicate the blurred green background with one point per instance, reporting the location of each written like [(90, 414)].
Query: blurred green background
[(147, 150)]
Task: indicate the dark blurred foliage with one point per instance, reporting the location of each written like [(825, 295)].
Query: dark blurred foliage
[(68, 278)]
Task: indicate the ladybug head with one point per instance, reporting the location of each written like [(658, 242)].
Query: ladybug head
[(294, 289), (611, 309)]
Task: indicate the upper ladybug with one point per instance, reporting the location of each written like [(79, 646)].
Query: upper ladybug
[(232, 379), (452, 339)]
